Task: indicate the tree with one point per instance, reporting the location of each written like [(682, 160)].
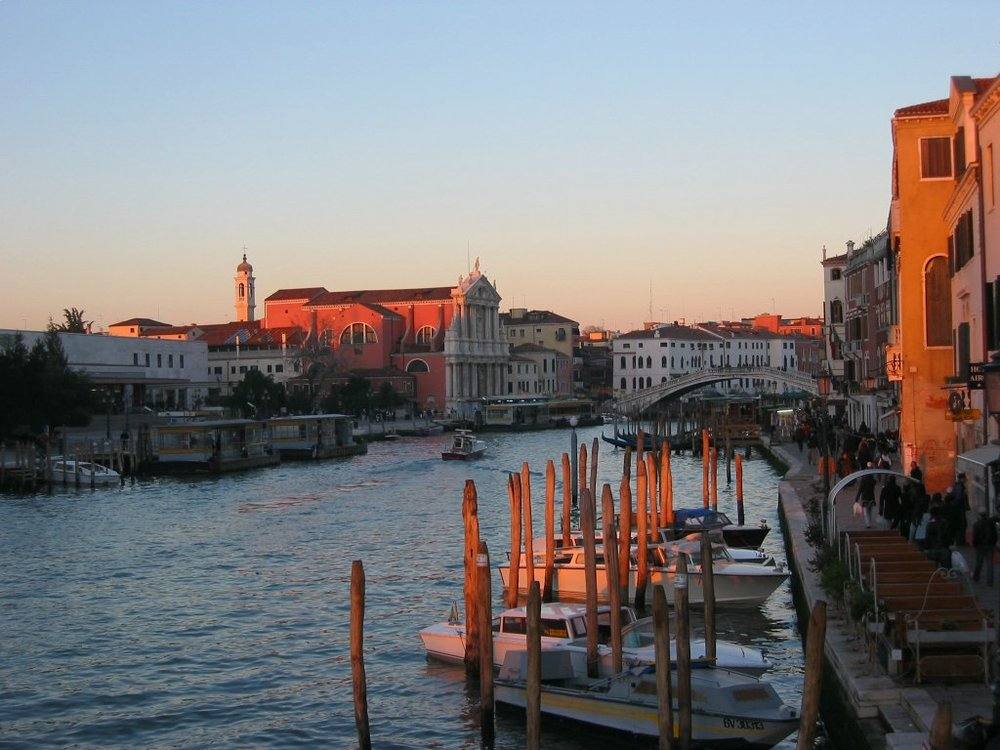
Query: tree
[(73, 322), (388, 397), (257, 395), (355, 396)]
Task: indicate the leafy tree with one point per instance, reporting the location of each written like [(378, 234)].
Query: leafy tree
[(355, 395), (388, 397), (73, 322), (257, 395), (299, 401)]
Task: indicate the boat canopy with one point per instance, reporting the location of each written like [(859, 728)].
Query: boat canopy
[(706, 514)]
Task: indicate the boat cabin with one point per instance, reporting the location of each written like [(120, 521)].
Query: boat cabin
[(314, 436), (211, 446), (566, 622)]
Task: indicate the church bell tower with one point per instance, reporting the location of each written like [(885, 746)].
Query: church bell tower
[(243, 284)]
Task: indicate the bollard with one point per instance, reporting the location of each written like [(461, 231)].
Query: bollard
[(708, 595), (611, 575), (533, 682), (590, 577), (683, 654), (514, 496), (567, 479), (741, 518), (357, 655), (641, 538), (485, 586), (813, 680), (550, 530), (470, 521), (529, 528), (624, 539), (661, 645)]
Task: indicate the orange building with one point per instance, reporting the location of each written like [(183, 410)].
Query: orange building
[(922, 181)]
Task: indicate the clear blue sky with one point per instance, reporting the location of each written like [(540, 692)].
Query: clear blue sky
[(582, 150)]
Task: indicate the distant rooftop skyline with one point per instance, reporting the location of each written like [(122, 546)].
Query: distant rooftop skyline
[(583, 152)]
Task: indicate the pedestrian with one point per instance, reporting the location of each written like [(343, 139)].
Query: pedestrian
[(905, 512), (984, 539), (798, 437), (888, 502), (866, 496), (918, 526), (936, 539), (916, 472), (846, 465), (960, 509)]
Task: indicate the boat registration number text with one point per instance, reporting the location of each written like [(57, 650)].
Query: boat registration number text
[(733, 723)]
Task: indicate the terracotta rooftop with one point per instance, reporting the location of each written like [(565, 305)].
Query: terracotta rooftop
[(541, 317), (936, 107), (145, 322), (381, 296), (306, 293)]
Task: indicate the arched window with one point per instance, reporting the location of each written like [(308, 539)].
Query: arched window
[(937, 302), (633, 361), (624, 384), (649, 382), (623, 365), (649, 361), (633, 384), (241, 291), (663, 361), (417, 365), (426, 335), (640, 363), (836, 311), (663, 379), (357, 334)]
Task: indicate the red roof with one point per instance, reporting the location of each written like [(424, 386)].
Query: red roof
[(670, 332), (541, 317), (381, 296), (219, 334), (306, 293), (936, 107), (293, 336), (145, 322)]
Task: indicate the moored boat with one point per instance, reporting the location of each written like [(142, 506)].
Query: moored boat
[(564, 626), (727, 709), (464, 447), (67, 470), (695, 520)]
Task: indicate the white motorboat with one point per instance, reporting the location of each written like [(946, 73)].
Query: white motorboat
[(67, 469), (464, 447), (736, 583), (728, 709), (565, 626), (738, 554)]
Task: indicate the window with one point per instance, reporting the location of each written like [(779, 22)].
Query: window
[(425, 335), (649, 361), (554, 628), (232, 370), (960, 151), (269, 368), (937, 302), (960, 244), (663, 361), (159, 360), (218, 370), (624, 384), (170, 360), (135, 358), (623, 363), (514, 625), (649, 382), (417, 365), (243, 368), (835, 274), (241, 291), (962, 351), (935, 158), (182, 361), (357, 334), (279, 368)]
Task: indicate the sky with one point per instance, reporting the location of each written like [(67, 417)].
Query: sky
[(602, 160)]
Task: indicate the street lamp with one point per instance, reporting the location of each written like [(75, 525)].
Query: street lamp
[(572, 458)]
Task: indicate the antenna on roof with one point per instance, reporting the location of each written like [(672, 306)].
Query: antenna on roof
[(468, 251)]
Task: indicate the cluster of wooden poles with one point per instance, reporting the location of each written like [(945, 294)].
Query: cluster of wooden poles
[(31, 466), (654, 510)]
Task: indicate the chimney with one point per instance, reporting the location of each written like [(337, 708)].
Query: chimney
[(850, 246), (824, 252)]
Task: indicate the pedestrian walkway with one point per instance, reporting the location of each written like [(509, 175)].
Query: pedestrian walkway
[(905, 709)]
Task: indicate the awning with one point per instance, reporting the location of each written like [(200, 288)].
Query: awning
[(982, 456), (888, 414)]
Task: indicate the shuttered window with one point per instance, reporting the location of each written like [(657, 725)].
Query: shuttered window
[(960, 244), (962, 351), (935, 158), (937, 302), (960, 151)]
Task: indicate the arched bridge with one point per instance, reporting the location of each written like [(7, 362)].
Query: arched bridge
[(639, 401)]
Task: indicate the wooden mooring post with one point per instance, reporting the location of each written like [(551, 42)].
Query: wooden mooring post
[(708, 595), (529, 527), (714, 478), (594, 454), (683, 642), (624, 537), (587, 512), (642, 551), (358, 679), (550, 529), (485, 585), (741, 516), (729, 457), (813, 679), (533, 683), (705, 458), (513, 578), (470, 521), (611, 575), (941, 728), (661, 645), (567, 508)]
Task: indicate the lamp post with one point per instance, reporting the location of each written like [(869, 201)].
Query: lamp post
[(572, 458)]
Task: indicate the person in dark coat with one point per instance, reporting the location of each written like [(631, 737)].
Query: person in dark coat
[(888, 502), (920, 505), (984, 539), (959, 519), (866, 496), (905, 513), (937, 541), (916, 472)]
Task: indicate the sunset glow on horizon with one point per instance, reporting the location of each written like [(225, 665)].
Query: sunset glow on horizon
[(582, 153)]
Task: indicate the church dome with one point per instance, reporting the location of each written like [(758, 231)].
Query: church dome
[(244, 266)]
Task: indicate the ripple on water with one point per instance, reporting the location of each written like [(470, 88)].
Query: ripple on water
[(214, 612)]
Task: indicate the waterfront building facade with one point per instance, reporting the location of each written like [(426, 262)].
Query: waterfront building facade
[(540, 327), (834, 299)]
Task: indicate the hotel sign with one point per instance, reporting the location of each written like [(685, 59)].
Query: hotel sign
[(977, 378)]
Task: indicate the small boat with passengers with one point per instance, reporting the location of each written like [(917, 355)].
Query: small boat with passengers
[(728, 709), (565, 626), (464, 447)]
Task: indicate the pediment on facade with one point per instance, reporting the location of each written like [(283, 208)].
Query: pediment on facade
[(477, 288)]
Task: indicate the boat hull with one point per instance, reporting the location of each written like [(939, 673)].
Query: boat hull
[(707, 729), (454, 456), (750, 587), (325, 451)]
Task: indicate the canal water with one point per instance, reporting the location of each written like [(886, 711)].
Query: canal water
[(189, 613)]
